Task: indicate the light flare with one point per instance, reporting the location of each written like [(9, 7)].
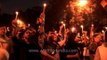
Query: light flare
[(44, 4), (73, 29), (82, 3)]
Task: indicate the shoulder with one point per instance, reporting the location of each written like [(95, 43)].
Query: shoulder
[(4, 53)]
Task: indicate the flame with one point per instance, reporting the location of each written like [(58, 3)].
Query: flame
[(17, 12), (21, 24), (73, 29), (44, 4), (81, 26)]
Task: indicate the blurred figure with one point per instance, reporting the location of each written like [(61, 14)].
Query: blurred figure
[(71, 50), (85, 41), (41, 37), (52, 46), (25, 47), (101, 52), (94, 44), (4, 55), (49, 52), (4, 44)]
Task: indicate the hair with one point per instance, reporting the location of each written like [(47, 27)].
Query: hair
[(23, 31), (71, 37)]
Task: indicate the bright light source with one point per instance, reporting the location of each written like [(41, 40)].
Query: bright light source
[(21, 24), (64, 25), (92, 25), (73, 29), (82, 3), (62, 22), (106, 28), (103, 31), (44, 4), (19, 21), (28, 25), (17, 12), (81, 26)]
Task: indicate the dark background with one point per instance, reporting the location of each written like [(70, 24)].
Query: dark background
[(31, 9)]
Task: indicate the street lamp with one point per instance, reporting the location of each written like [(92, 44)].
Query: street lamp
[(82, 3)]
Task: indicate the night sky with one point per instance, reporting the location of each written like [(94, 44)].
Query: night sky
[(9, 6), (54, 10)]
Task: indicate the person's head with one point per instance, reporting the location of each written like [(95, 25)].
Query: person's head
[(28, 32), (54, 36), (41, 29), (97, 37), (72, 37), (2, 30), (77, 39)]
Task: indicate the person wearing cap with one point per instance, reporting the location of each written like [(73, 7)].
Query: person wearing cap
[(101, 52)]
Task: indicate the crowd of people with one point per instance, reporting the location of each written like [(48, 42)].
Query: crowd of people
[(35, 44)]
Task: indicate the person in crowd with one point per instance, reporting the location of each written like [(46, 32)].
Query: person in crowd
[(50, 47), (94, 44), (54, 43), (101, 52), (85, 41), (71, 49), (4, 55), (4, 44), (42, 36), (25, 46)]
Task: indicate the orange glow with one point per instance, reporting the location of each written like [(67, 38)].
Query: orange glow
[(21, 24), (64, 25), (103, 31), (103, 3), (19, 21), (106, 28), (92, 25), (82, 3), (62, 22), (82, 26), (17, 12), (73, 29)]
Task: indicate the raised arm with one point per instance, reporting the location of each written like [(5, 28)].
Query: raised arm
[(62, 42)]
